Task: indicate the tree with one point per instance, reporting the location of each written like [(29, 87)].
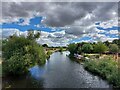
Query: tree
[(100, 48), (87, 48), (60, 49), (79, 51), (107, 43), (116, 41), (20, 53), (113, 48), (32, 36), (71, 48), (45, 45)]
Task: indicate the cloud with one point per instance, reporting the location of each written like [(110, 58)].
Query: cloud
[(7, 32), (61, 13), (113, 32), (79, 16)]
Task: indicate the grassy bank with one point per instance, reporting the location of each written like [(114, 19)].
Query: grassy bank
[(105, 67)]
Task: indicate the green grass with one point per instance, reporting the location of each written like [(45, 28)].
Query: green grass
[(105, 67)]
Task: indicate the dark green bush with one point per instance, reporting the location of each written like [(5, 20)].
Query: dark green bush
[(20, 53)]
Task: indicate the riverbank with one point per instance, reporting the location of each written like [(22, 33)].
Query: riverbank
[(105, 67)]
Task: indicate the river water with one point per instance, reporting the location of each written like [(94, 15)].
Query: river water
[(58, 72)]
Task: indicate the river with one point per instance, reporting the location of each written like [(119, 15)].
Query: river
[(58, 72)]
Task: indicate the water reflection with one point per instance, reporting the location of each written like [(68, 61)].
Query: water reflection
[(37, 72)]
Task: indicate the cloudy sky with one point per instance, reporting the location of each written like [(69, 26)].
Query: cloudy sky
[(61, 23)]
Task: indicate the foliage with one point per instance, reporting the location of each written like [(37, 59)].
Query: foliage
[(107, 43), (100, 47), (106, 68), (79, 50), (48, 53), (116, 41), (61, 49), (32, 36), (20, 53), (113, 48), (71, 48), (45, 45), (87, 48)]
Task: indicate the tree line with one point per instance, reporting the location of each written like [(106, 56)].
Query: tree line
[(99, 47)]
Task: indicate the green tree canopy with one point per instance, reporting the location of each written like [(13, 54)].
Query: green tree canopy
[(116, 41), (100, 48), (32, 35), (45, 45), (113, 48), (107, 43), (71, 48), (87, 48), (20, 53)]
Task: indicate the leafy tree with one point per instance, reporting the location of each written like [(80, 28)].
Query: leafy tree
[(32, 35), (79, 50), (71, 48), (100, 48), (20, 53), (87, 48), (61, 49), (116, 41), (107, 43), (45, 45), (113, 48)]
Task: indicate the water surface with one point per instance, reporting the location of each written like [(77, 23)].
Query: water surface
[(58, 72)]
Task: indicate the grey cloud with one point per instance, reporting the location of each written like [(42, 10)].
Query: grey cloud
[(76, 30), (60, 13), (22, 9), (104, 11)]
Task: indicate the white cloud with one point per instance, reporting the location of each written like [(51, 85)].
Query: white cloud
[(8, 32), (110, 23), (113, 32)]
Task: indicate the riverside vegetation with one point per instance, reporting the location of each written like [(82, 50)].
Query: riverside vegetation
[(103, 59), (20, 53)]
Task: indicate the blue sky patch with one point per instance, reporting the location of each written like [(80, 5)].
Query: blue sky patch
[(32, 25), (108, 29)]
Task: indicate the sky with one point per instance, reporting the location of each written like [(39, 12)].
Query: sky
[(61, 23)]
